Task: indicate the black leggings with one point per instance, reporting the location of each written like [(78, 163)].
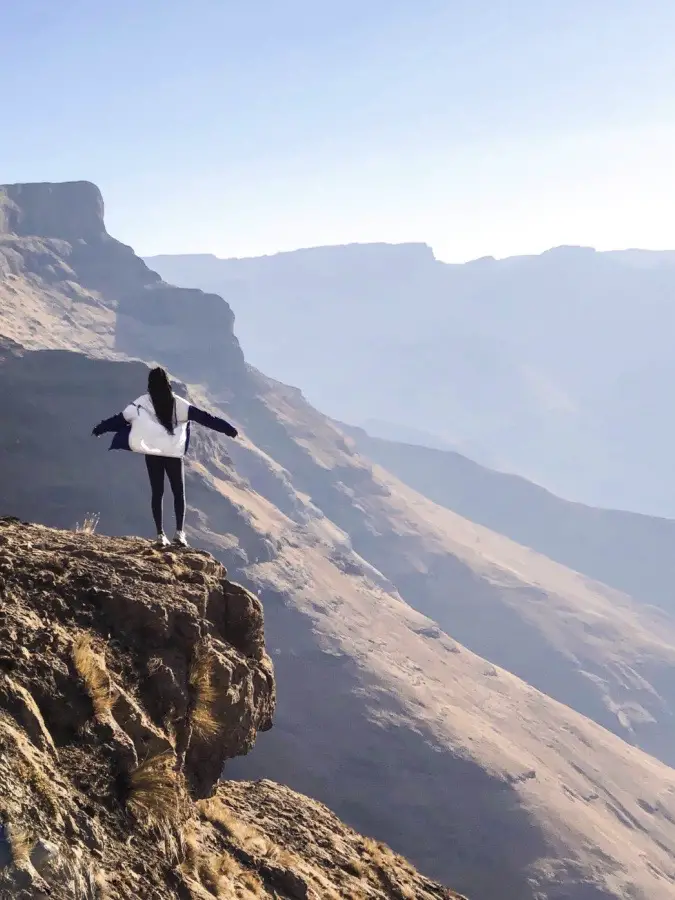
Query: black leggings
[(173, 467)]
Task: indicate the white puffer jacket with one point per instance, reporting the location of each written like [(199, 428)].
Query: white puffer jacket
[(137, 428), (149, 436)]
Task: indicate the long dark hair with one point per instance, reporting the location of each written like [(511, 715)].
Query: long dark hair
[(162, 397)]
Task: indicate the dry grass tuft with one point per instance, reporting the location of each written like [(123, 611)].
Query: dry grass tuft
[(252, 884), (229, 866), (102, 888), (377, 852), (324, 887), (245, 836), (31, 769), (84, 881), (204, 695), (216, 872), (156, 792), (258, 844), (41, 780), (91, 669), (271, 851), (354, 867), (390, 869), (286, 859), (218, 814), (90, 523), (215, 876), (191, 853), (20, 846)]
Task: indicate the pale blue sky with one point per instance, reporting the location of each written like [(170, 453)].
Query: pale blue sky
[(241, 128)]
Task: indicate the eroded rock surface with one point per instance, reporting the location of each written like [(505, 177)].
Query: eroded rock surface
[(112, 655)]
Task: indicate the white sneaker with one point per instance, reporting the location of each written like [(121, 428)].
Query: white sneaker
[(180, 539), (162, 540)]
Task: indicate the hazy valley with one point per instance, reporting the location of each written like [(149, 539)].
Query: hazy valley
[(556, 367)]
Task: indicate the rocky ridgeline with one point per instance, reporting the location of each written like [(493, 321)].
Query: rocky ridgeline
[(128, 676)]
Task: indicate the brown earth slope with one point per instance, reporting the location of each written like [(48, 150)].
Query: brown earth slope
[(127, 676), (482, 780), (591, 647)]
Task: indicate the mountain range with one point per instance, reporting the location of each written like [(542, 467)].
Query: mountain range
[(501, 719), (555, 367)]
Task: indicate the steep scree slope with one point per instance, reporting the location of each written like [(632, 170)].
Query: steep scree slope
[(127, 677)]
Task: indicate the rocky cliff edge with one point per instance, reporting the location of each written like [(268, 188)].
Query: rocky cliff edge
[(128, 676)]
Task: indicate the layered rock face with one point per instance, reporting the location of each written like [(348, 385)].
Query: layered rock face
[(157, 615), (66, 211), (64, 282)]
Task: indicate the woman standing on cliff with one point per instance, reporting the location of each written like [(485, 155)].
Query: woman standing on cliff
[(158, 425)]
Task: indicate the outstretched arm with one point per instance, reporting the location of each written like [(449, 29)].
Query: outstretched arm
[(201, 417), (118, 421), (114, 423)]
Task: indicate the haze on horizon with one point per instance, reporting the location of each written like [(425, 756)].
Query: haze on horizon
[(490, 128)]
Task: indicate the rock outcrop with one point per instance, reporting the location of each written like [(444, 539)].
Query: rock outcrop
[(115, 657), (69, 211), (331, 858), (65, 282), (128, 675)]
